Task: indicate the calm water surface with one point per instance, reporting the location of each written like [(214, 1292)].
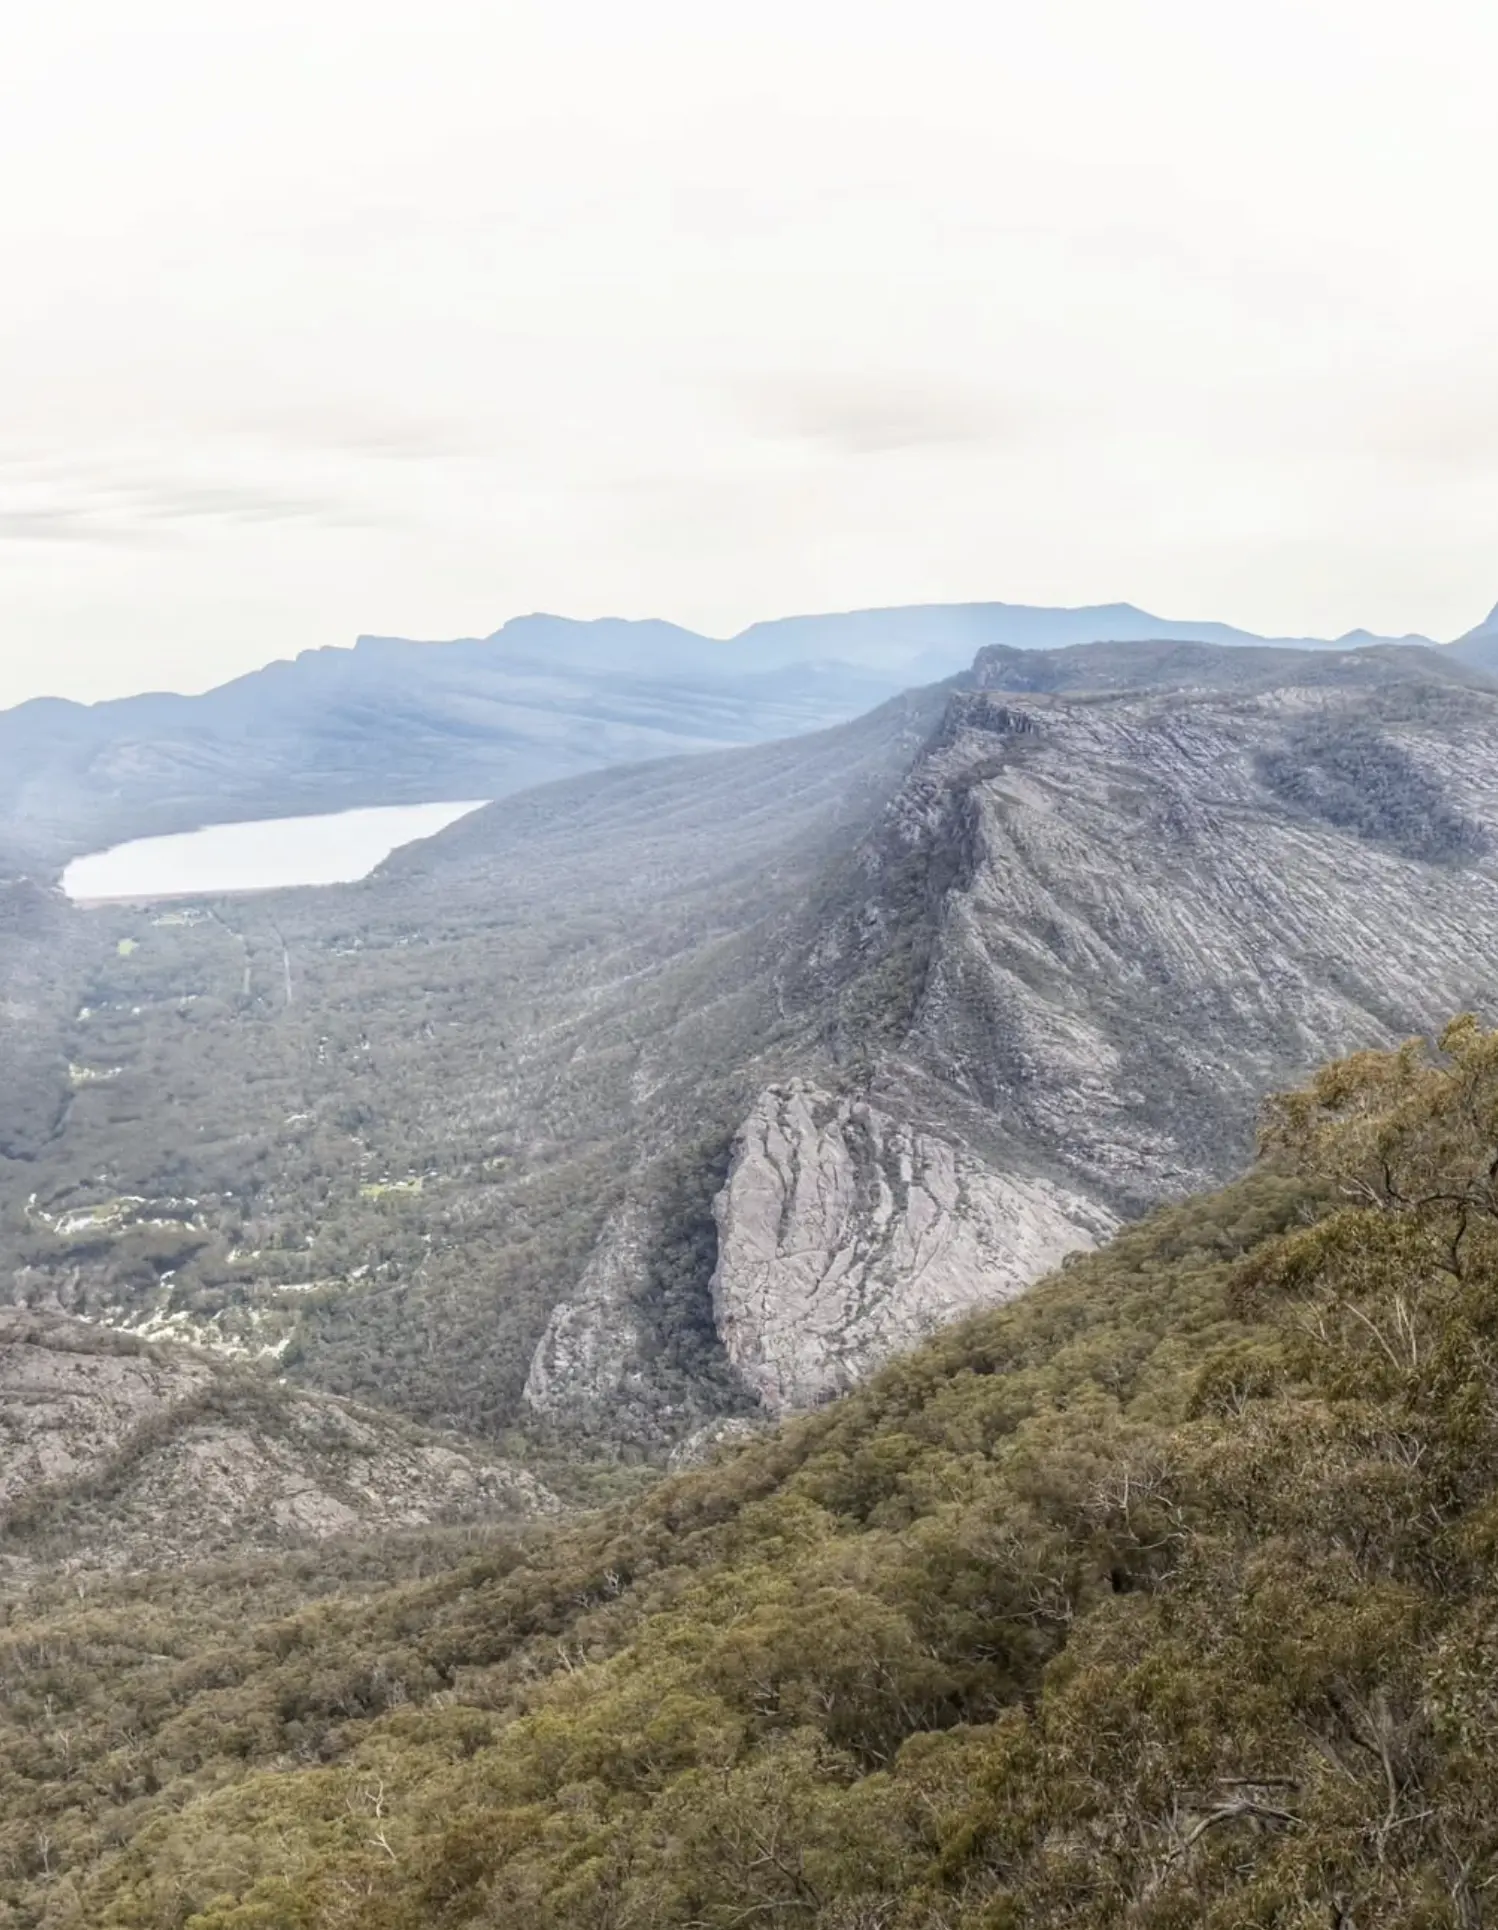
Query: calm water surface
[(333, 849)]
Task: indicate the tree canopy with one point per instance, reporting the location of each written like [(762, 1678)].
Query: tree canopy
[(1162, 1597)]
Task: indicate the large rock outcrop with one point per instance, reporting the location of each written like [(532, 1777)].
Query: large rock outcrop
[(1071, 923), (846, 1235)]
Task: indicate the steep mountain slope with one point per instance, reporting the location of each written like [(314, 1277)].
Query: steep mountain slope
[(1162, 1598), (691, 1091), (1479, 647), (392, 721), (377, 1130), (1169, 901), (1090, 933)]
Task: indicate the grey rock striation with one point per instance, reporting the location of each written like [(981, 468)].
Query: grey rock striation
[(846, 1235), (1096, 924), (1031, 952), (1150, 935)]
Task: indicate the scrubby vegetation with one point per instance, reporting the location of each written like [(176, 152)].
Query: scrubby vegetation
[(1359, 780), (1163, 1597)]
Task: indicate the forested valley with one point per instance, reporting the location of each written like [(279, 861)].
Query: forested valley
[(1163, 1596), (1046, 935), (740, 1340)]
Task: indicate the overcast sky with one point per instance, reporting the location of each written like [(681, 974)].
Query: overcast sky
[(411, 317)]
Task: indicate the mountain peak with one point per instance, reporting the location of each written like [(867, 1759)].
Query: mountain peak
[(1487, 628)]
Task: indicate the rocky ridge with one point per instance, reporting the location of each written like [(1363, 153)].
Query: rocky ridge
[(1096, 926), (964, 984), (589, 1353), (117, 1455), (1154, 929)]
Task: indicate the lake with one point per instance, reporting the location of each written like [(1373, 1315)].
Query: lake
[(265, 854)]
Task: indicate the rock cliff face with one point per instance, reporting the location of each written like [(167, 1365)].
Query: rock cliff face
[(118, 1455), (846, 1235), (1157, 925), (591, 1346), (394, 1178), (1004, 962), (1097, 923)]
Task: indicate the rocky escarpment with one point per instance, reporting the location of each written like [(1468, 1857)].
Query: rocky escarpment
[(115, 1454), (589, 1355), (846, 1235), (1072, 923), (1094, 925), (1157, 927), (397, 1175)]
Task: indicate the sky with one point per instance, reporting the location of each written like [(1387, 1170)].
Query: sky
[(331, 318)]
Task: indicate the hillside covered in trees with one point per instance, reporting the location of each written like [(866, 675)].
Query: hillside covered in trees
[(1161, 1597), (672, 1095)]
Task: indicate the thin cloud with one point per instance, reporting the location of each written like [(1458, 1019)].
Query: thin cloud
[(225, 502), (55, 526), (878, 416), (1453, 433), (372, 433), (97, 509)]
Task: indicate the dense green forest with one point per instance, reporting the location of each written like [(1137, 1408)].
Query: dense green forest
[(1162, 1597)]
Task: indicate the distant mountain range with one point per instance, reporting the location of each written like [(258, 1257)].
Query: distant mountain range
[(396, 721), (939, 638), (910, 643)]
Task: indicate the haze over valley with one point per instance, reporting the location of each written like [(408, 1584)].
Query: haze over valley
[(393, 722), (691, 1089), (749, 967)]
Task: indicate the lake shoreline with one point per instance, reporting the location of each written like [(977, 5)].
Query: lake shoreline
[(249, 857)]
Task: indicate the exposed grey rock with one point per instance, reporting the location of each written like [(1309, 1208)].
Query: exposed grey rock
[(1075, 923), (592, 1340), (118, 1455), (68, 1402), (846, 1235), (1148, 937)]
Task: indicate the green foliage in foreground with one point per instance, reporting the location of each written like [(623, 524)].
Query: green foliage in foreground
[(1165, 1597)]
